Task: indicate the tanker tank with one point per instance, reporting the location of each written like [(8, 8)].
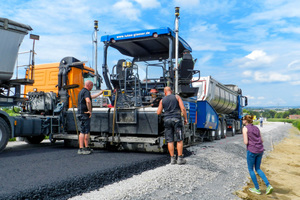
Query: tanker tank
[(11, 36), (222, 98)]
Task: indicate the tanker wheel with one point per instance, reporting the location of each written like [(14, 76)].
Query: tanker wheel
[(34, 139), (224, 129), (4, 134), (219, 132), (211, 136), (233, 128)]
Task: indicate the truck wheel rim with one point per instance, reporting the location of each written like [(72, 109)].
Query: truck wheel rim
[(225, 129)]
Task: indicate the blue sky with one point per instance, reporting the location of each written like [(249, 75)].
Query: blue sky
[(254, 44)]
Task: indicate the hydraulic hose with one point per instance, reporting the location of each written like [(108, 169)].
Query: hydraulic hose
[(114, 119)]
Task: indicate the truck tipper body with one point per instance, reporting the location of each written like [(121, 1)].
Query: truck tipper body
[(11, 37)]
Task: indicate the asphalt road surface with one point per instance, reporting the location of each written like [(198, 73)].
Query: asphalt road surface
[(52, 171)]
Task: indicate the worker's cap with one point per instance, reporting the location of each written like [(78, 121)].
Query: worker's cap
[(153, 91), (186, 51)]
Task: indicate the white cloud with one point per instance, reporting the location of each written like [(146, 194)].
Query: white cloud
[(256, 58), (54, 17), (125, 9), (290, 29), (276, 102), (205, 36), (250, 97), (260, 98), (246, 81), (200, 46), (295, 82), (256, 54), (271, 77), (274, 13), (247, 73), (187, 4), (204, 27), (295, 65), (148, 3), (204, 59)]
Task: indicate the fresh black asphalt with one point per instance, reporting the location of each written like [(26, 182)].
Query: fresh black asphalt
[(56, 172)]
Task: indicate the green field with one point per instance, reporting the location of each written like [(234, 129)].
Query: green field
[(295, 122)]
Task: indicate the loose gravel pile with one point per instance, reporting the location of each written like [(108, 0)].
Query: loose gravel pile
[(214, 170)]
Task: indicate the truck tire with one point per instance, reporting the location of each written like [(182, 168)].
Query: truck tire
[(219, 131), (211, 136), (4, 134), (34, 139), (233, 132), (224, 129)]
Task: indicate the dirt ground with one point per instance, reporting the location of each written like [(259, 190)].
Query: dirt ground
[(282, 168)]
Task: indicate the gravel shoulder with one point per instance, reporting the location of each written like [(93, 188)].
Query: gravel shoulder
[(281, 167), (214, 170)]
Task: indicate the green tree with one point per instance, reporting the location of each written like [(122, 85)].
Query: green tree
[(286, 114), (293, 111), (279, 115), (272, 113)]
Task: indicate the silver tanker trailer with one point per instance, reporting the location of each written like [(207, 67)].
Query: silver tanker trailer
[(219, 108)]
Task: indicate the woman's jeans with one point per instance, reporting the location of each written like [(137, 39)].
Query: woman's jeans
[(254, 160)]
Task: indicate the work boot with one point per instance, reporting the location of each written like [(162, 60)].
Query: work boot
[(80, 151), (173, 160), (181, 160), (89, 149), (86, 151)]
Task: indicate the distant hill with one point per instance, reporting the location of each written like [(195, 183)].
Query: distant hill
[(271, 107)]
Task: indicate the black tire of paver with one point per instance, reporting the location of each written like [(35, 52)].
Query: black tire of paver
[(71, 143), (34, 139), (4, 134)]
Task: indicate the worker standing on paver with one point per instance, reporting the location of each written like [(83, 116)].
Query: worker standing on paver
[(84, 116), (173, 107)]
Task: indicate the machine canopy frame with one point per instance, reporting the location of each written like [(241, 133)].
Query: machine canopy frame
[(145, 45)]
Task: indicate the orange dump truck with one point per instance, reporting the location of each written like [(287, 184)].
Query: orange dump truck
[(62, 80), (47, 101)]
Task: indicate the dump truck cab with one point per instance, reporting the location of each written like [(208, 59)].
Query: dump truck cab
[(58, 82)]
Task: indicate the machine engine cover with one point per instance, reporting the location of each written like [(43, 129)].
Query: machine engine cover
[(42, 102)]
